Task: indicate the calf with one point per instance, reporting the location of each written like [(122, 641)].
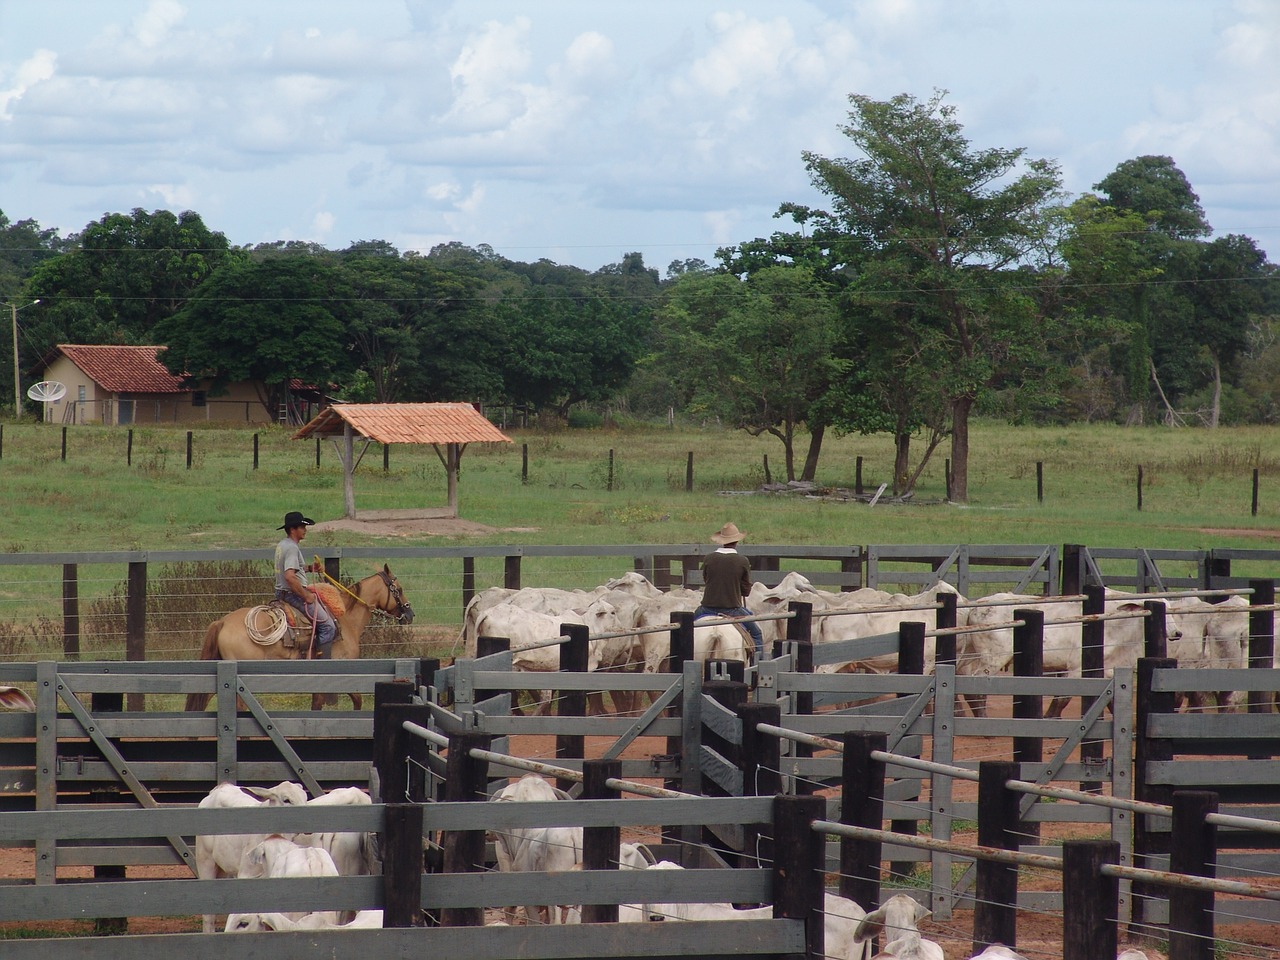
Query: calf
[(536, 849), (898, 918), (277, 857)]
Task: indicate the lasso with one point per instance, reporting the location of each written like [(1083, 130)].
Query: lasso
[(278, 624)]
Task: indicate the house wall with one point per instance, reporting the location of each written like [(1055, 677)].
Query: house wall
[(87, 402)]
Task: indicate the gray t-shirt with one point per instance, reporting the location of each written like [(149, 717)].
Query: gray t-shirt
[(289, 557)]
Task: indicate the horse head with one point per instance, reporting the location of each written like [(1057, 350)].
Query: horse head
[(396, 605)]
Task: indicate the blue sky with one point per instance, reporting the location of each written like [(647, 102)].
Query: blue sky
[(579, 131)]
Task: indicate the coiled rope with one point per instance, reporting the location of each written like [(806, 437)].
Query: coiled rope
[(278, 623)]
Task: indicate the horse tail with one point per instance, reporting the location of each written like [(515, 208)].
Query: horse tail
[(208, 651)]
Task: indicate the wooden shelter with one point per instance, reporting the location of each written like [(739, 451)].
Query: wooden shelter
[(448, 427)]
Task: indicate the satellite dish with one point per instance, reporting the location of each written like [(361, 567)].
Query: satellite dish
[(47, 391)]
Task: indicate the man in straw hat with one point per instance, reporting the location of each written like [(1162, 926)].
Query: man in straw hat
[(291, 582), (726, 578)]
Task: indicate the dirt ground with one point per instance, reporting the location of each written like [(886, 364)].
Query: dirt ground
[(398, 524)]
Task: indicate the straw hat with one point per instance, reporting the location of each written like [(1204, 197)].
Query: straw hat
[(729, 533)]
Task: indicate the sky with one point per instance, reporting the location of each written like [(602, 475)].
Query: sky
[(581, 130)]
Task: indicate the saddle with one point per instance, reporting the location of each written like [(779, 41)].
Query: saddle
[(297, 631)]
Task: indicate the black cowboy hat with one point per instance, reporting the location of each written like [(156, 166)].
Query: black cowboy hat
[(294, 518)]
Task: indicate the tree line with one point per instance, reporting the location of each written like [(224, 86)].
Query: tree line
[(939, 282)]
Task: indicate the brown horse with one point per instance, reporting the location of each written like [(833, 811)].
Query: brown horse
[(228, 638)]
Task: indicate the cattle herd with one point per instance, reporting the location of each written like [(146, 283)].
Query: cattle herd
[(629, 620)]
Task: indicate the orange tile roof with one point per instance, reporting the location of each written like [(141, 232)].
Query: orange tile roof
[(123, 369), (406, 423)]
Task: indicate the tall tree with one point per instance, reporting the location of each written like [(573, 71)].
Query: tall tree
[(266, 322), (951, 218), (125, 273), (757, 353)]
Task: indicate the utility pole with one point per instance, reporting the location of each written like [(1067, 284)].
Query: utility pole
[(17, 375)]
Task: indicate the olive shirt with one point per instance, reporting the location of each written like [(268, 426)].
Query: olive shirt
[(726, 577)]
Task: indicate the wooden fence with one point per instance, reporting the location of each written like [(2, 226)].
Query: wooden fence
[(702, 741)]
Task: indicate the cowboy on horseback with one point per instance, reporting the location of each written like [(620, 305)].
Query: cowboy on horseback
[(726, 578), (292, 587)]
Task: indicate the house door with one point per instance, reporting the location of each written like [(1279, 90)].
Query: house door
[(125, 412)]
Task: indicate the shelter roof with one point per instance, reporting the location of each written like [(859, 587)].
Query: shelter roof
[(123, 369), (406, 423)]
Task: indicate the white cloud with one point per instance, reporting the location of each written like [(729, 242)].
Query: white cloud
[(40, 66), (152, 27)]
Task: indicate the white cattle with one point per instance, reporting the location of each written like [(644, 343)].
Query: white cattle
[(1209, 636), (998, 951), (991, 651), (255, 922), (862, 613), (536, 849), (534, 636), (220, 855), (354, 854), (14, 699), (763, 601), (655, 616), (897, 918), (278, 857)]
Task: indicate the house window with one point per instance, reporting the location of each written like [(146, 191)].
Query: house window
[(80, 393), (198, 398)]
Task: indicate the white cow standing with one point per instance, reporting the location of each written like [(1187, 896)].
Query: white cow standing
[(537, 849)]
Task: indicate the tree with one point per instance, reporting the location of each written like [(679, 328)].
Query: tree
[(1157, 189), (757, 353), (951, 219), (266, 322), (125, 273), (1226, 296)]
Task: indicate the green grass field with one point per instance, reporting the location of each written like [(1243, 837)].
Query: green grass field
[(1197, 488)]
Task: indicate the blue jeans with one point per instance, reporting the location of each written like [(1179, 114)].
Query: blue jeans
[(326, 628), (750, 626)]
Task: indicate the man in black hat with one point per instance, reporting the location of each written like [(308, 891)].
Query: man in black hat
[(291, 582)]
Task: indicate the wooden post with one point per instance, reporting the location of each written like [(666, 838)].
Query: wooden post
[(1148, 749), (995, 911), (468, 580), (861, 805), (524, 463), (800, 854), (255, 451), (1262, 639), (317, 453), (1155, 630), (767, 477), (857, 477), (1253, 510), (1028, 661), (799, 634), (731, 695), (348, 470), (511, 572), (402, 866), (190, 443), (135, 622), (1090, 899), (1072, 565), (947, 471), (761, 763), (1139, 487), (70, 611), (386, 458), (688, 474), (1039, 481), (609, 482), (681, 652), (64, 444), (600, 844), (910, 663), (466, 780), (1092, 639), (392, 706), (574, 654), (128, 449), (1191, 911)]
